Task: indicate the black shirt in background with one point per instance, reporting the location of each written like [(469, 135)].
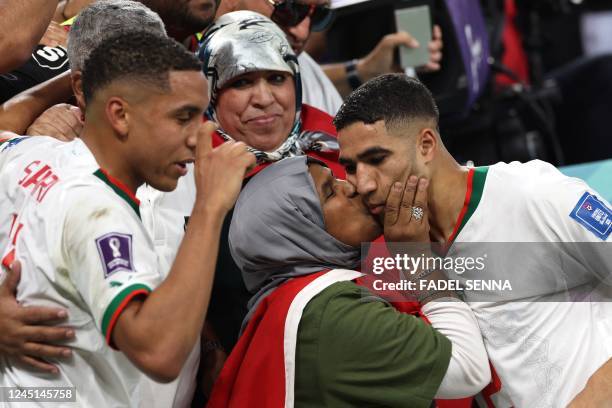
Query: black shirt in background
[(44, 63)]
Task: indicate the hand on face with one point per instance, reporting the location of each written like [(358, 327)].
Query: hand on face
[(219, 172), (404, 222), (61, 121)]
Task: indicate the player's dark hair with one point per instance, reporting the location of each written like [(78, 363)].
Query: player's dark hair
[(141, 56), (394, 98)]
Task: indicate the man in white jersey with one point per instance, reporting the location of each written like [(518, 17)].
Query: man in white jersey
[(545, 347), (88, 250), (164, 214)]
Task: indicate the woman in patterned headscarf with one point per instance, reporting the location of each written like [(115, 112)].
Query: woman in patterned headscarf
[(256, 93)]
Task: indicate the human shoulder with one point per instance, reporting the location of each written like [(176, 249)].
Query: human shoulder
[(91, 196)]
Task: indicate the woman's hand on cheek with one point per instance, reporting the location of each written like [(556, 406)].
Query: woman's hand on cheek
[(406, 212)]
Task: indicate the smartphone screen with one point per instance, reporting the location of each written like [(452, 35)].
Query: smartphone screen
[(417, 22)]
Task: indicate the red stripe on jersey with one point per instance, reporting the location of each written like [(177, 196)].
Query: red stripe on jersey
[(118, 312), (8, 259), (466, 204), (121, 186)]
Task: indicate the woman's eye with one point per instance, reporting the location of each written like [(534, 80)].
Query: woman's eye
[(240, 83), (277, 78)]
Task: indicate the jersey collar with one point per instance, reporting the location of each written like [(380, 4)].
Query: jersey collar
[(475, 186), (121, 189)]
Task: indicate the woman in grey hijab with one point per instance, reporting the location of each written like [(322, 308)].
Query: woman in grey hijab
[(314, 337), (285, 208)]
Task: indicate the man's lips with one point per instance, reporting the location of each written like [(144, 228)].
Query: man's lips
[(182, 166)]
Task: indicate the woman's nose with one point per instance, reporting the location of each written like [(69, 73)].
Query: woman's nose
[(348, 189), (262, 94)]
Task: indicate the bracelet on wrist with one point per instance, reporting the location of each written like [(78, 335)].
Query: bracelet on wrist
[(352, 76)]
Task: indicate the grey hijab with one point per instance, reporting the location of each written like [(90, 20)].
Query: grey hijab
[(278, 231)]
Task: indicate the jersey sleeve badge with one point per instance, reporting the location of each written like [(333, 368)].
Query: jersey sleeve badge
[(6, 144), (115, 251), (594, 215)]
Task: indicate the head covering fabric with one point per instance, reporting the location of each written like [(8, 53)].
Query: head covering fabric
[(242, 42), (278, 230)]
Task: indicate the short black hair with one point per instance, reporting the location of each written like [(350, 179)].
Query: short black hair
[(394, 98), (143, 56)]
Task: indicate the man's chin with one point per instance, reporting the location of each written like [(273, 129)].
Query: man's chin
[(298, 49), (166, 185)]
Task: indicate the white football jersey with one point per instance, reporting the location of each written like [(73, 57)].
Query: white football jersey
[(543, 344), (29, 169), (26, 169)]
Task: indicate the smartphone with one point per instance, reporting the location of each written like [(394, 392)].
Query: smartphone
[(417, 22)]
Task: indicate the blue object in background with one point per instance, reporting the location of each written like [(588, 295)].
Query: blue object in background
[(597, 175)]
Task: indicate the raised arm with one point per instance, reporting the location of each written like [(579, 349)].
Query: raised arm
[(22, 25), (19, 112), (158, 334)]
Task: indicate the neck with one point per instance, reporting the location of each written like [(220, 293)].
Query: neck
[(446, 198), (106, 150)]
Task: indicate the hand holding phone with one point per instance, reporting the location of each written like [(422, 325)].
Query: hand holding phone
[(417, 22)]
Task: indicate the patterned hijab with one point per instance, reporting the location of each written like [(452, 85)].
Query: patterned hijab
[(278, 230), (243, 42)]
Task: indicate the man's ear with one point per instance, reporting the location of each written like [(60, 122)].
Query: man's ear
[(427, 144), (76, 79), (117, 112)]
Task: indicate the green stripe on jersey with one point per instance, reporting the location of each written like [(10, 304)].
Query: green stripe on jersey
[(478, 183), (100, 174), (117, 301)]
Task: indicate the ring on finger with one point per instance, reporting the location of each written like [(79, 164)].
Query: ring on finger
[(417, 213)]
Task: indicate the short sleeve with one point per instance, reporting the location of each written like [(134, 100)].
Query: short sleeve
[(109, 255), (370, 354), (581, 218)]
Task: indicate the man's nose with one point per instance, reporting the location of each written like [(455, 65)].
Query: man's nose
[(301, 31), (364, 181)]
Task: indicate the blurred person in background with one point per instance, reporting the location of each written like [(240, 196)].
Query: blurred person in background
[(32, 17), (182, 18), (324, 86)]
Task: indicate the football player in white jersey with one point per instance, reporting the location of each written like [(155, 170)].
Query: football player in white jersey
[(82, 243), (546, 352), (164, 214)]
